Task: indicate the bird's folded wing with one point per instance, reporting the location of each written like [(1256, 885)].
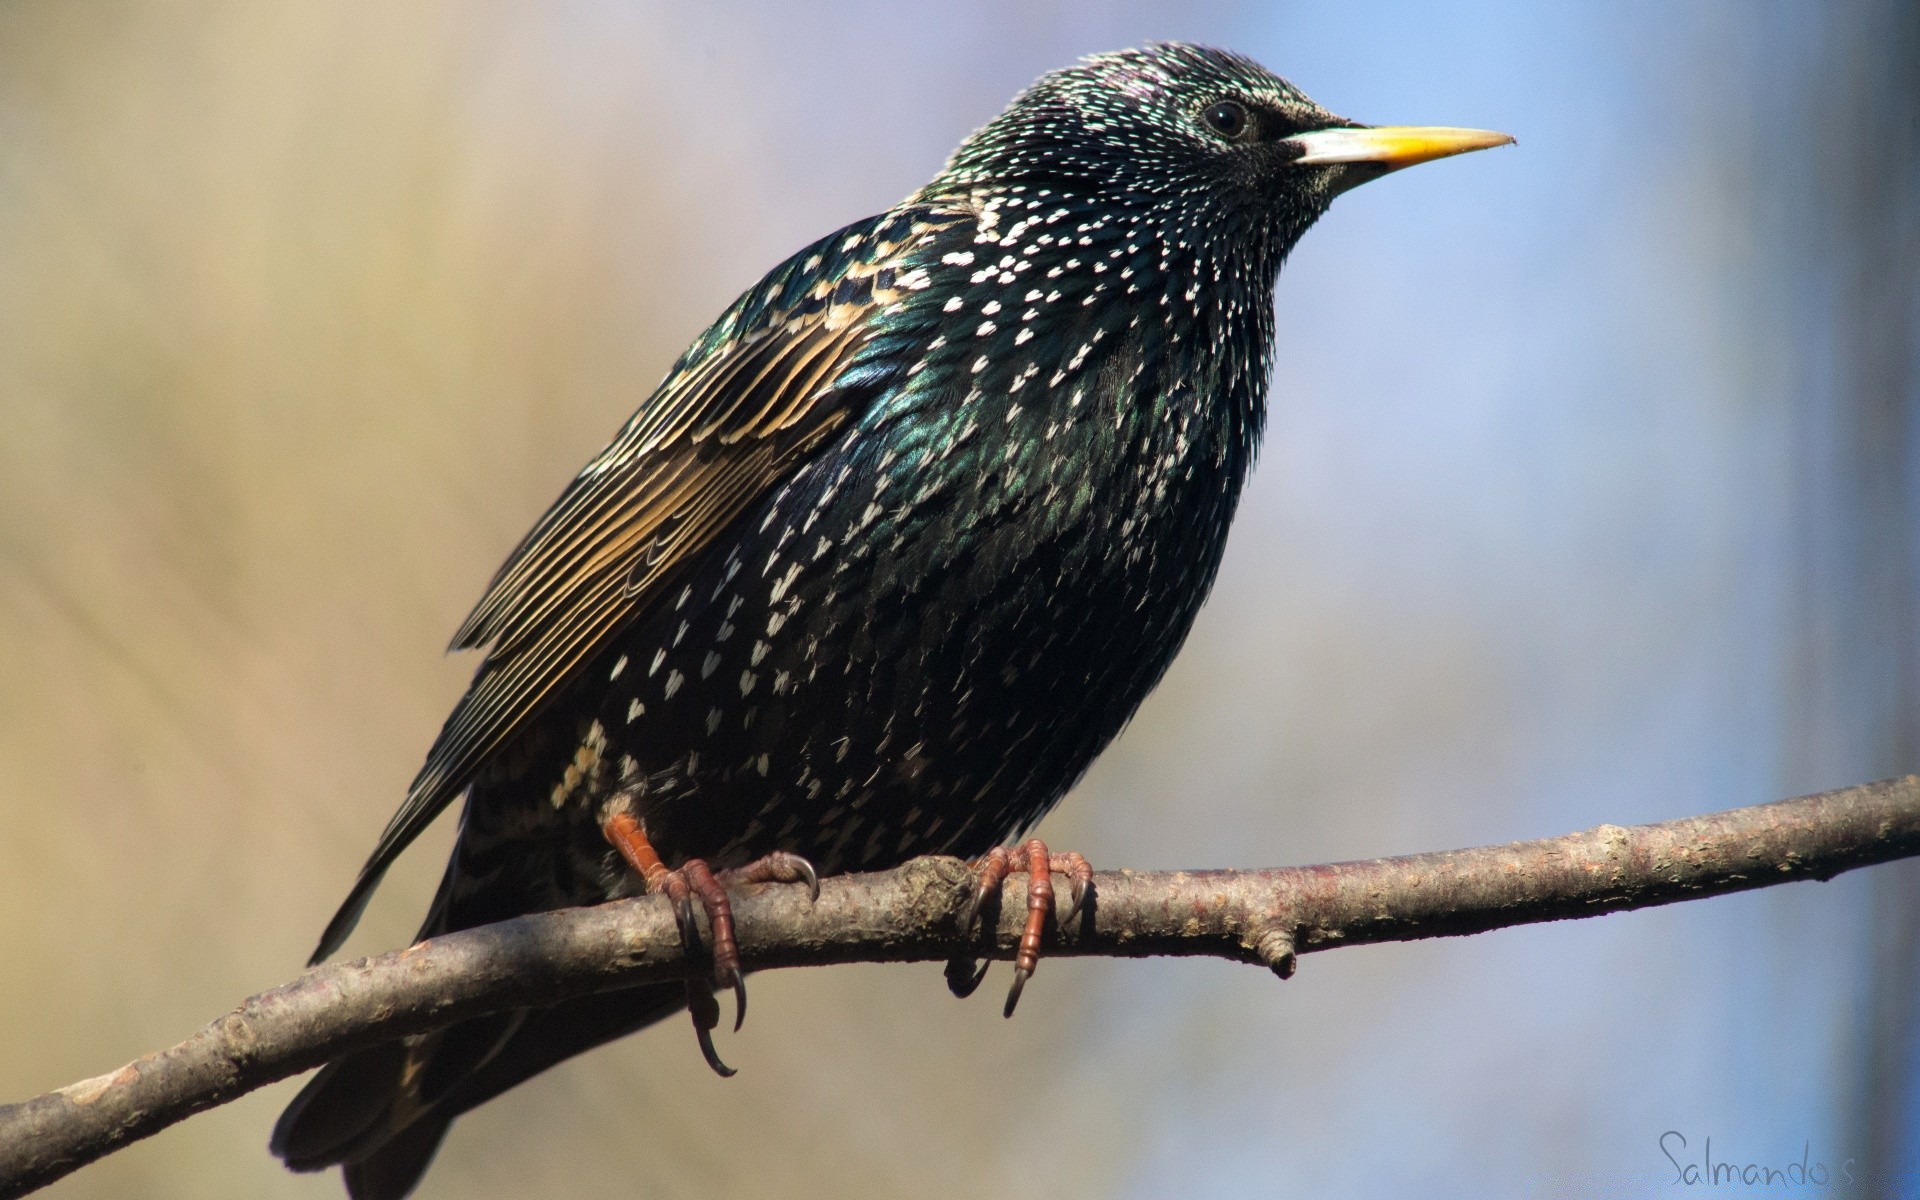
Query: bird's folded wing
[(788, 365)]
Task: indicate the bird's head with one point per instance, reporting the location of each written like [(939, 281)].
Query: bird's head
[(1207, 132)]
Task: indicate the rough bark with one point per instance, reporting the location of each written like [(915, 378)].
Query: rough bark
[(1264, 917)]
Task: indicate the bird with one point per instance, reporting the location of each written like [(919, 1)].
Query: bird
[(893, 552)]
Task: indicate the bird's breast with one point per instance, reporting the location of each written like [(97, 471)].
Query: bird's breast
[(924, 638)]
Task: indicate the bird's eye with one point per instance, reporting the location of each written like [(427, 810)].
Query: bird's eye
[(1228, 118)]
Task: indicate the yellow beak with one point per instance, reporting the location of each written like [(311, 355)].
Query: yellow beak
[(1390, 147)]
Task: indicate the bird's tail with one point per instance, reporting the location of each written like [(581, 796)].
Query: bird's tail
[(380, 1113)]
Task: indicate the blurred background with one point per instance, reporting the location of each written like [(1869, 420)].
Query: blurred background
[(1590, 494)]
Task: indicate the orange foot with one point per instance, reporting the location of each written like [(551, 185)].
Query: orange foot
[(692, 880), (963, 974)]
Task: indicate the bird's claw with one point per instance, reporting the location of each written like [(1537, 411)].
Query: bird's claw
[(1033, 857), (1080, 883), (683, 917), (971, 909), (696, 880), (1020, 977), (705, 1011), (777, 867), (733, 978), (1076, 899)]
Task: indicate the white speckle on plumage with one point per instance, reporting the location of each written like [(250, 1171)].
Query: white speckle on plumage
[(618, 667), (784, 582), (635, 709), (747, 680), (674, 680), (953, 304), (986, 327), (659, 656), (713, 721), (989, 308)]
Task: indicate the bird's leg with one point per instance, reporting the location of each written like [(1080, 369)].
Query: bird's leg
[(1032, 857), (696, 880)]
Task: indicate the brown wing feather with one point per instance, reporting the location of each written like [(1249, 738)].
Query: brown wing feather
[(752, 400)]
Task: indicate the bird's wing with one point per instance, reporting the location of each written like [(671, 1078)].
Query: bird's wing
[(790, 363)]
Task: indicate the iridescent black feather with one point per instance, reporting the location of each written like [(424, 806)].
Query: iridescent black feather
[(893, 553)]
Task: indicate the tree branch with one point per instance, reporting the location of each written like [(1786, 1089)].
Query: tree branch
[(908, 915)]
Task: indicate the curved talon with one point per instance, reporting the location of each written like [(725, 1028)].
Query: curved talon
[(964, 975), (1080, 873), (1076, 899), (969, 911), (1020, 977), (705, 1011), (683, 916), (732, 977), (781, 866), (993, 869), (712, 1056)]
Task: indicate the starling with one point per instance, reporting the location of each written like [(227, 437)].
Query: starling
[(893, 552)]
